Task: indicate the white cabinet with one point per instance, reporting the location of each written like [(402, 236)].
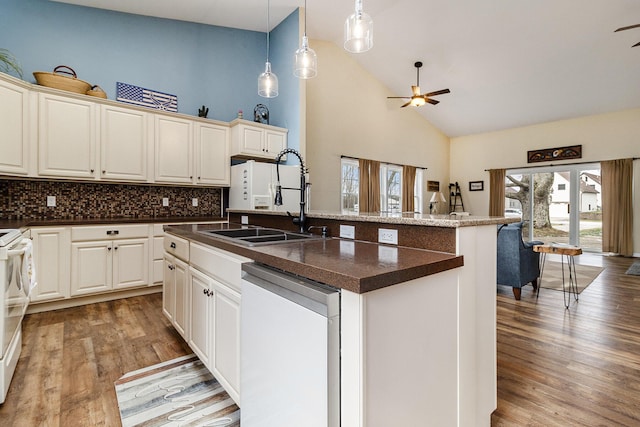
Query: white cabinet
[(173, 149), (14, 122), (212, 154), (51, 251), (226, 334), (67, 129), (249, 139), (123, 142), (175, 293), (200, 301), (119, 260)]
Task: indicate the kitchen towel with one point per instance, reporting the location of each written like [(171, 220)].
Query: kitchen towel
[(28, 268)]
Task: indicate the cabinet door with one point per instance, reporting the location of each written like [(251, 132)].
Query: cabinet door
[(274, 142), (169, 288), (226, 346), (130, 263), (180, 320), (251, 140), (213, 165), (90, 267), (67, 137), (51, 251), (173, 150), (200, 295), (123, 143), (14, 122)]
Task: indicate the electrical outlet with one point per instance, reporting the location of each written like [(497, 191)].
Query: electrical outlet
[(165, 201), (244, 219), (51, 201), (194, 202), (386, 235), (347, 231)]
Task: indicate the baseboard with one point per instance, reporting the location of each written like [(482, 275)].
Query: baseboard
[(91, 299)]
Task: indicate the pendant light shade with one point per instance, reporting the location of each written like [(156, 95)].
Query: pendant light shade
[(358, 31), (268, 81), (305, 61)]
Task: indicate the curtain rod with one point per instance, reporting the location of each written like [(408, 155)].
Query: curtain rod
[(551, 164), (388, 163)]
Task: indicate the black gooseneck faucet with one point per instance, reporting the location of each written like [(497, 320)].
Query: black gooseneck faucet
[(301, 219)]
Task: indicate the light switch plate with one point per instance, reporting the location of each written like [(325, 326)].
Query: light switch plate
[(51, 201), (389, 236), (347, 231), (165, 201), (194, 202)]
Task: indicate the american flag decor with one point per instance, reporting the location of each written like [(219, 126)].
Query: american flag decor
[(146, 97)]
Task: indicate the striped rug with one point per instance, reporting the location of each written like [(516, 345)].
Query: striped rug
[(179, 392)]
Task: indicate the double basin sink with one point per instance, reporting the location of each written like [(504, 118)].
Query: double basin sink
[(259, 236)]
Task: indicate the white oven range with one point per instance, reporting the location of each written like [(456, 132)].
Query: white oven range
[(16, 274)]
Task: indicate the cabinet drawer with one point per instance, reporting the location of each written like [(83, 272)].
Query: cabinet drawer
[(176, 246), (224, 266), (102, 232)]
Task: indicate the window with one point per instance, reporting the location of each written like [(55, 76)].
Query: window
[(562, 187), (350, 185), (390, 187)]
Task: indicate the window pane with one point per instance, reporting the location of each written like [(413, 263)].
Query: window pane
[(350, 185), (391, 193)]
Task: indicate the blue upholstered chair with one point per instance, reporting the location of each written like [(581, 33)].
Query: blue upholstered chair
[(518, 264)]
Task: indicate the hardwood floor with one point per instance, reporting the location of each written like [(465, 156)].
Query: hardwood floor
[(71, 358), (575, 367), (556, 367)]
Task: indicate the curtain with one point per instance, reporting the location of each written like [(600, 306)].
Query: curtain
[(408, 183), (369, 199), (496, 191), (617, 206)]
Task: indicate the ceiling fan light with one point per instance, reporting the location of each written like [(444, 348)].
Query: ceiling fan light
[(358, 31), (417, 102), (268, 83), (305, 64)]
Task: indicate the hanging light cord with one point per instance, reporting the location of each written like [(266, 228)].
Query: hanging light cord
[(305, 18), (268, 20)]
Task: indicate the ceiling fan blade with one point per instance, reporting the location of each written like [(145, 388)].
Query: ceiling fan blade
[(404, 105), (627, 28), (432, 101), (438, 92), (415, 90), (637, 44)]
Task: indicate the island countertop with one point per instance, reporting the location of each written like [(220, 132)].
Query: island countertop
[(443, 221), (356, 266)]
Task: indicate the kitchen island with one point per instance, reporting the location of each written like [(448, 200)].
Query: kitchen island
[(418, 338)]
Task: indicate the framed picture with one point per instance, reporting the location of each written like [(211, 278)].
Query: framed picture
[(476, 185), (559, 153), (433, 185)]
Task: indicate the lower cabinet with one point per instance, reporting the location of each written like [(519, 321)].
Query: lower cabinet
[(175, 293), (51, 250), (201, 295)]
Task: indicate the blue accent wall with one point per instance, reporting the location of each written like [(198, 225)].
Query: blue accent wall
[(201, 64)]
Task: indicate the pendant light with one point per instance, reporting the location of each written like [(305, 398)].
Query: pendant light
[(268, 81), (358, 31), (305, 61)]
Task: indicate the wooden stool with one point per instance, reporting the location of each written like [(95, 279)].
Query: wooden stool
[(564, 251)]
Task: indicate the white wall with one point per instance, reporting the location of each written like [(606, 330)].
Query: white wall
[(348, 113), (603, 137)]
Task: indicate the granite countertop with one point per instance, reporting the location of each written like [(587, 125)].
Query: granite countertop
[(24, 223), (353, 265), (446, 221)]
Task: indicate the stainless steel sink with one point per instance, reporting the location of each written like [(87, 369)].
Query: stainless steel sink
[(258, 236)]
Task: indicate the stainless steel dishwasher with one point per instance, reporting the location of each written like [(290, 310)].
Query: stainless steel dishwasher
[(290, 347)]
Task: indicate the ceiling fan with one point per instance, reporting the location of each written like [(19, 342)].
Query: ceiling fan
[(629, 28), (418, 99)]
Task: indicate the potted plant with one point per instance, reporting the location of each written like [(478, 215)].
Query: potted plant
[(8, 63)]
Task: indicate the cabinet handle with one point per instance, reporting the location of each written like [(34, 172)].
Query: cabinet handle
[(112, 232), (103, 172), (92, 170), (171, 267), (206, 292), (172, 245), (116, 248), (109, 248)]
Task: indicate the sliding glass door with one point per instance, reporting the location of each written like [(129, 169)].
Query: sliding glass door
[(557, 204)]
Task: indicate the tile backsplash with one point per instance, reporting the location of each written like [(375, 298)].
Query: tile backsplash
[(27, 199)]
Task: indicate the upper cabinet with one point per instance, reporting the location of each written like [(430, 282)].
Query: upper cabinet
[(212, 154), (67, 137), (123, 142), (255, 140), (14, 122), (173, 149)]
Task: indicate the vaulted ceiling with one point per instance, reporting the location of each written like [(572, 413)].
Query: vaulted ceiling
[(508, 63)]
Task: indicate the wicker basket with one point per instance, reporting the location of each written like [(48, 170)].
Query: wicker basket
[(97, 91), (58, 80)]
